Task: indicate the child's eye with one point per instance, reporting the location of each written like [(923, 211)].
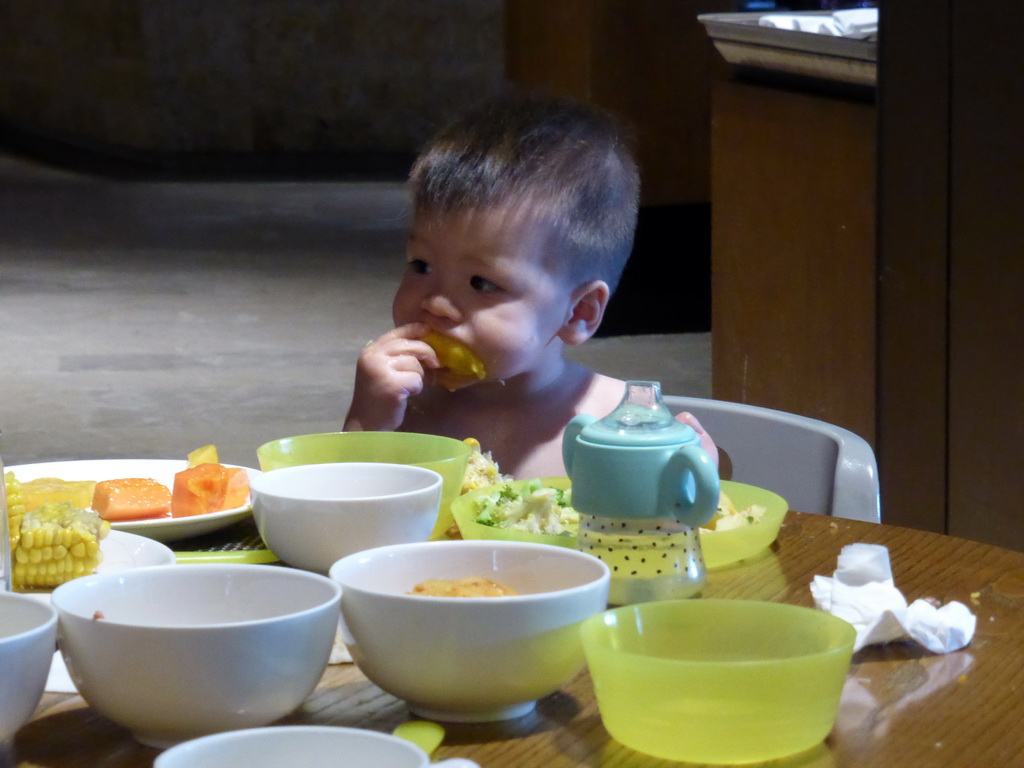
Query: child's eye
[(482, 284), (419, 267)]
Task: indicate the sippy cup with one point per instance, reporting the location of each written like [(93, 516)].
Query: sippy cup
[(642, 485)]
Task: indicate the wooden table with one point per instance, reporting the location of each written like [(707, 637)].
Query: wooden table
[(902, 707)]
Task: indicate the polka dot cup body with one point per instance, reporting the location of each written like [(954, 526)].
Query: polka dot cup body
[(649, 558)]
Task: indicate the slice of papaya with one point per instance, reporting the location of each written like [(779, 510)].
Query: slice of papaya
[(199, 490), (131, 498), (237, 492)]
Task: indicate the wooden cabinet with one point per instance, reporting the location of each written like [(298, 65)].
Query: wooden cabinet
[(793, 243), (868, 268)]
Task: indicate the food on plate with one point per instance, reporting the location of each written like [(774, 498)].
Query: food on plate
[(37, 492), (481, 469), (131, 498), (205, 455), (54, 544), (456, 357), (470, 586), (728, 516), (208, 488), (533, 509), (542, 510)]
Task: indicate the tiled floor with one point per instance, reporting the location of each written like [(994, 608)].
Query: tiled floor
[(142, 319)]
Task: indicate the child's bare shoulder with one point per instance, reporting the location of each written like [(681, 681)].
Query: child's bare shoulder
[(601, 397), (523, 433)]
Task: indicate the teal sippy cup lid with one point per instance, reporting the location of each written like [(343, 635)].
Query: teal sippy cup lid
[(640, 419)]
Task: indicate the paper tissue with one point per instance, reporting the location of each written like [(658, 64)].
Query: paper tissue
[(857, 23), (862, 592)]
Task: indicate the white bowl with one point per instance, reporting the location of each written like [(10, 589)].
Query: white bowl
[(312, 515), (308, 746), (175, 652), (28, 638), (469, 658)]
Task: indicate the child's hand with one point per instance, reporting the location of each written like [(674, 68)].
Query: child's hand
[(705, 439), (390, 370)]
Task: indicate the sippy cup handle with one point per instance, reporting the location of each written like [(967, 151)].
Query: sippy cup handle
[(572, 431), (690, 486)]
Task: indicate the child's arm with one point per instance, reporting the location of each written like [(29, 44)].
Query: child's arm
[(705, 439), (390, 370)]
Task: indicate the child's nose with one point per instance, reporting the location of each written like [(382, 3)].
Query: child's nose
[(441, 306)]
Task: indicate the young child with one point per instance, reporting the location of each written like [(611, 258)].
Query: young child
[(523, 218)]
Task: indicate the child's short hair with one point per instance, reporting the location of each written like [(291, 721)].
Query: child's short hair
[(566, 161)]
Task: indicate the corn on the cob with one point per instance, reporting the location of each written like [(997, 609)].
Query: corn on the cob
[(456, 357), (57, 543), (15, 507)]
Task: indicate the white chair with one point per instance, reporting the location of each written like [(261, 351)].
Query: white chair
[(816, 466)]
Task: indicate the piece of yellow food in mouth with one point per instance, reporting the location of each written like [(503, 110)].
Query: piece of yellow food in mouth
[(456, 357)]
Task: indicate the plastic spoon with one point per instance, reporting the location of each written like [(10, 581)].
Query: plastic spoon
[(424, 734)]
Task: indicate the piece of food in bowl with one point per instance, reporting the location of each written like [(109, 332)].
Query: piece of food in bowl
[(131, 498), (54, 544), (469, 586), (728, 516), (469, 659), (482, 470), (531, 508)]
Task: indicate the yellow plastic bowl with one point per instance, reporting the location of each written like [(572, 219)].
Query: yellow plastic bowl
[(721, 548), (717, 681), (465, 517), (445, 455)]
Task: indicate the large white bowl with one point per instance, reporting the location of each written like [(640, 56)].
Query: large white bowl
[(28, 637), (301, 746), (315, 514), (469, 658), (175, 652)]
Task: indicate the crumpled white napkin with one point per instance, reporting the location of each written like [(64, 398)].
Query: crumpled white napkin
[(856, 22), (862, 592)]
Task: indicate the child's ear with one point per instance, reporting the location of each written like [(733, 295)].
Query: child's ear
[(589, 302)]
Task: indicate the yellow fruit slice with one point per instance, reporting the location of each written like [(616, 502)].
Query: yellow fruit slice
[(52, 490), (456, 357), (205, 455)]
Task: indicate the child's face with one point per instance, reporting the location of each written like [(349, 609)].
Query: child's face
[(485, 278)]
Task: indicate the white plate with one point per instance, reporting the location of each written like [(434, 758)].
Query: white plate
[(122, 551), (161, 470)]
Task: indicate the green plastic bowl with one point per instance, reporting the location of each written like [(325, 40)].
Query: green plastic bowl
[(717, 681), (720, 548), (465, 517), (445, 455)]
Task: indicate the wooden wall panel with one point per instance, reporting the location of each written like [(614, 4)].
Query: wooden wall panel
[(913, 262), (986, 381), (793, 253), (648, 60)]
